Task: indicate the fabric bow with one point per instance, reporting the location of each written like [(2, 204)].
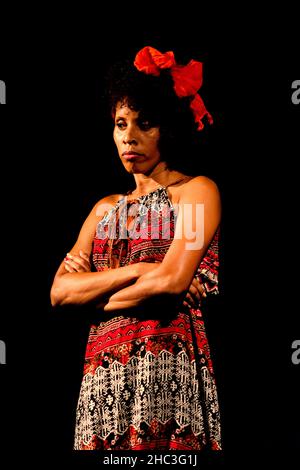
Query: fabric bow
[(187, 78)]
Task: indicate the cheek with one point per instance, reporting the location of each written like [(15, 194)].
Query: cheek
[(154, 141), (116, 137), (156, 137)]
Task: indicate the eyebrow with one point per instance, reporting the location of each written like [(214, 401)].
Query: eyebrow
[(117, 117)]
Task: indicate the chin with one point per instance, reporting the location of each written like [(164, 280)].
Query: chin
[(135, 167), (145, 167)]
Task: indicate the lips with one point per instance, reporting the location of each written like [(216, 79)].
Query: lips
[(132, 155)]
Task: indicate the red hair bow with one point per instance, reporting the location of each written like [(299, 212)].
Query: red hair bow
[(187, 78)]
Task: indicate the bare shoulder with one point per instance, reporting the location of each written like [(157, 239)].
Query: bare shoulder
[(87, 232), (105, 204), (200, 186)]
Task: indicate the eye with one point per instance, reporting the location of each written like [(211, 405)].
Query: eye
[(121, 125), (145, 125)]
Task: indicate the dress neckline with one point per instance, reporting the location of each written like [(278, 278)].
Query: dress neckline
[(153, 190), (144, 195)]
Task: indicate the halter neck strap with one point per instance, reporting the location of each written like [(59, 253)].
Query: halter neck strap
[(161, 186)]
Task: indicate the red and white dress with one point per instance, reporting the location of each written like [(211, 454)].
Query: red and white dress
[(148, 382)]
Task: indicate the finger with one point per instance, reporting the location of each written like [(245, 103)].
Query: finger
[(196, 297), (190, 299), (203, 291), (84, 256), (195, 301), (84, 265), (79, 261), (194, 292), (68, 268), (191, 302), (195, 282), (73, 265), (186, 304), (199, 286)]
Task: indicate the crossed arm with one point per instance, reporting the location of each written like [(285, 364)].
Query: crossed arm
[(81, 286), (134, 285), (175, 274)]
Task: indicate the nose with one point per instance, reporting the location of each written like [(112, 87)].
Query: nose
[(130, 136)]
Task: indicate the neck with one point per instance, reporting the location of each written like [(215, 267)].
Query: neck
[(160, 175)]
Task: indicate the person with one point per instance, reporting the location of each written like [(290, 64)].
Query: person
[(147, 261)]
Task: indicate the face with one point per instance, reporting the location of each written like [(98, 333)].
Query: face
[(136, 140)]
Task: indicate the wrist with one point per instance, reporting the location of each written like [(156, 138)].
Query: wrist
[(135, 270)]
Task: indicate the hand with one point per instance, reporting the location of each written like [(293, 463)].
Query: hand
[(77, 263), (194, 295)]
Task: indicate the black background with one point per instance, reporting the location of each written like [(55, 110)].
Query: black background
[(58, 160)]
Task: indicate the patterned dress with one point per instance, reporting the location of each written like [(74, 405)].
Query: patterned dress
[(148, 382)]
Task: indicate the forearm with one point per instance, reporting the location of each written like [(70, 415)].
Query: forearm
[(152, 288), (84, 288)]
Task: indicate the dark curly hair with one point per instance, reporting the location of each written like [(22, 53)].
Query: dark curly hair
[(154, 97)]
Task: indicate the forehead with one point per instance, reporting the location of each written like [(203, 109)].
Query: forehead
[(123, 110)]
